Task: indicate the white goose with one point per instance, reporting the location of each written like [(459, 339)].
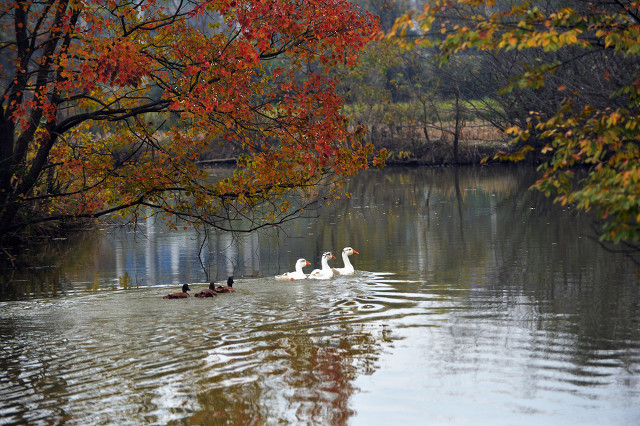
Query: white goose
[(348, 267), (325, 273), (297, 275)]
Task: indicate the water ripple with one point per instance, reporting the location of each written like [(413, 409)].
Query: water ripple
[(272, 352)]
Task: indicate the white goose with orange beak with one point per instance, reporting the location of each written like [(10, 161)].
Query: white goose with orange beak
[(325, 273), (298, 274), (348, 267)]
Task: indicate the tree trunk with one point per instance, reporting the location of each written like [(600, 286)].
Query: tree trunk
[(456, 132), (424, 121)]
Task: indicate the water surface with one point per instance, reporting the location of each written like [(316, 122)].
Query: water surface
[(474, 302)]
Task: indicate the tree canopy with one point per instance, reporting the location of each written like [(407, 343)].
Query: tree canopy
[(107, 107), (583, 58)]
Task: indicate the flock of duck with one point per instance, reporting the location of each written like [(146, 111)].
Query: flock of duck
[(325, 273), (207, 292)]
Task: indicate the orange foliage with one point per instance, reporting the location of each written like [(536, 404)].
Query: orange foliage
[(108, 106)]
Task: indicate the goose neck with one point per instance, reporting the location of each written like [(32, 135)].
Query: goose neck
[(345, 259), (325, 262)]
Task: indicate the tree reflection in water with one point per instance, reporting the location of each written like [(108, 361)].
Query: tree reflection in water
[(306, 377)]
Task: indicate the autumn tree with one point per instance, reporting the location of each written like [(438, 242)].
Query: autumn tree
[(582, 62), (107, 107)]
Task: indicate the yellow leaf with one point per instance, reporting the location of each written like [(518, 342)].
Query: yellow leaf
[(513, 130)]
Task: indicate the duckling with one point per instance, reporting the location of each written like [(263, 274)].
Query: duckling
[(227, 288), (208, 292), (182, 295)]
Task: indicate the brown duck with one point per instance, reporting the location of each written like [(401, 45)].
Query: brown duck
[(181, 295), (225, 288), (208, 292)]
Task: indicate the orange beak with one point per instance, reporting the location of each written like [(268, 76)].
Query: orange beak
[(307, 262), (333, 257), (355, 252)]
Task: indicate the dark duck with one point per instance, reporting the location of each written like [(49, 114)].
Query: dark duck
[(182, 295), (224, 288), (208, 292)]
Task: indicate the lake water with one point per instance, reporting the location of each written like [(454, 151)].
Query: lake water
[(474, 302)]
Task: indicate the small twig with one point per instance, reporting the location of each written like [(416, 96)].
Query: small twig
[(204, 241), (9, 256)]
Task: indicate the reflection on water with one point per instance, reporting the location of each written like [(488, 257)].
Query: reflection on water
[(264, 354), (474, 299)]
